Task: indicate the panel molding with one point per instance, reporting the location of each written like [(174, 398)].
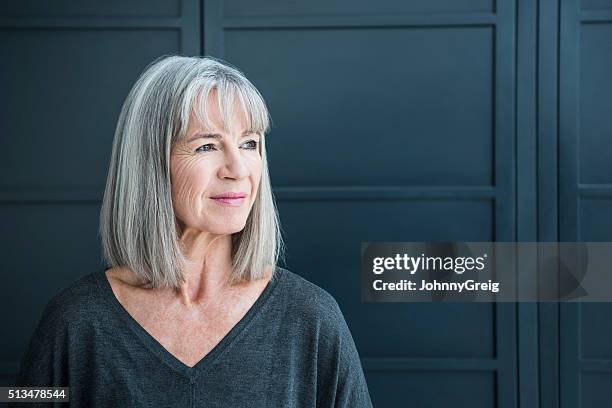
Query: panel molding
[(596, 365), (505, 221), (547, 190), (526, 186), (429, 364), (384, 193), (11, 368), (68, 23), (569, 59), (188, 24), (374, 364), (595, 190), (361, 21), (596, 16), (315, 193)]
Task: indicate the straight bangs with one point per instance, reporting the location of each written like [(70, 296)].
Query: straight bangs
[(231, 93)]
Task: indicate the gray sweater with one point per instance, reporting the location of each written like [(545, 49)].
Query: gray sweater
[(293, 348)]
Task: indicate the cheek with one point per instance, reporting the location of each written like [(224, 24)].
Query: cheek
[(256, 172), (189, 183), (255, 166)]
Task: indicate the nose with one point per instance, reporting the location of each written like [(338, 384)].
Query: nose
[(234, 165)]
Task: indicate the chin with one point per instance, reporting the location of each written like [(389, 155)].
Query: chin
[(227, 229)]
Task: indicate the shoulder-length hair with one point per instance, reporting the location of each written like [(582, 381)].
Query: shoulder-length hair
[(138, 227)]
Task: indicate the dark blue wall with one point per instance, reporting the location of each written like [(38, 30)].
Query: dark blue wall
[(467, 120)]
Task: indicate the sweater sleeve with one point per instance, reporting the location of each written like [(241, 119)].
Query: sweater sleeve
[(343, 382)]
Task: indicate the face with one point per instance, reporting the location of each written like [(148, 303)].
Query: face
[(209, 165)]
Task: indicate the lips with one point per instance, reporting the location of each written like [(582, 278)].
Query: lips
[(229, 195), (233, 199)]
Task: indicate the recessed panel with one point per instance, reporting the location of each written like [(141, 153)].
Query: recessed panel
[(46, 247), (596, 327), (595, 126), (66, 89), (596, 330), (328, 254), (374, 106), (432, 389), (89, 8), (595, 219), (596, 390), (240, 8)]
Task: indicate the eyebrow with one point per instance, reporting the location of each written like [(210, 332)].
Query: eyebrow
[(216, 136)]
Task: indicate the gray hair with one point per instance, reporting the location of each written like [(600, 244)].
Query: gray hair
[(138, 227)]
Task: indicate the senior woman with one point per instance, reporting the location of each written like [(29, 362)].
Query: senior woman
[(193, 309)]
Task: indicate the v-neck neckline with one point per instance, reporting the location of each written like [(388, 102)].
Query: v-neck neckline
[(168, 358)]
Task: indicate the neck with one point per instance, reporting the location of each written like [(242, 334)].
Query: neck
[(208, 266)]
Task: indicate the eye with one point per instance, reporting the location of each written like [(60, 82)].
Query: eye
[(206, 148), (252, 144)]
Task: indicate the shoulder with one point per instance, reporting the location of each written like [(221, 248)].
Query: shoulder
[(315, 316), (309, 302), (75, 302), (60, 327), (307, 293)]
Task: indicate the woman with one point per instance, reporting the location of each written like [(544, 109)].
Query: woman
[(194, 310)]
